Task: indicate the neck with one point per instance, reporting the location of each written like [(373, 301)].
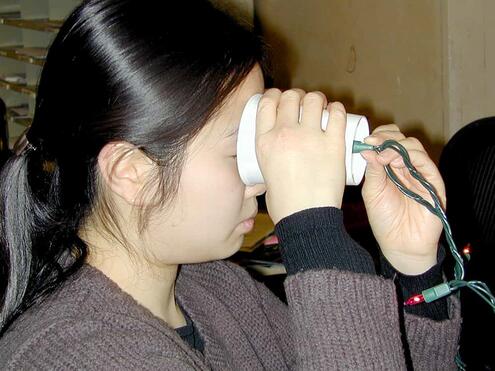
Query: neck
[(151, 286)]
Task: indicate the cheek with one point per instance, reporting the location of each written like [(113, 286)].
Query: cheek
[(214, 184)]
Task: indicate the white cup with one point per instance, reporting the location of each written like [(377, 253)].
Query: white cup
[(357, 129)]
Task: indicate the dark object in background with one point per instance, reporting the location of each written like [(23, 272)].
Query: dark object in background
[(264, 253), (4, 137), (467, 165)]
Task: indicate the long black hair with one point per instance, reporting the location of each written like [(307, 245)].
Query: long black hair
[(150, 73)]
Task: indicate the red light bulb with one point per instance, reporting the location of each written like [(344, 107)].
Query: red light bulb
[(416, 299)]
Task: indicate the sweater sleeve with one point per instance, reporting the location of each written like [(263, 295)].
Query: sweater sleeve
[(342, 319), (300, 253), (305, 238), (412, 285)]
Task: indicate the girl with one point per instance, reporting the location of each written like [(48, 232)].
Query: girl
[(117, 212)]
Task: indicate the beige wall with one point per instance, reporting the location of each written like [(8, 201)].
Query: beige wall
[(409, 62), (470, 40), (242, 10)]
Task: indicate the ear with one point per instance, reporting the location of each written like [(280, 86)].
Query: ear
[(124, 169)]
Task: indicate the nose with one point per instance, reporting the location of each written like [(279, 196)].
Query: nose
[(255, 190)]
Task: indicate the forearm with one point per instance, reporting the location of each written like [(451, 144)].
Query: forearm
[(316, 239), (344, 321), (332, 288), (328, 278)]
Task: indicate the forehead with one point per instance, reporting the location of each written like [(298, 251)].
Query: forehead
[(230, 113), (228, 117)]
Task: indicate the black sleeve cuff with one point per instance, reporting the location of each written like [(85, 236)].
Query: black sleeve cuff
[(316, 239), (413, 285)]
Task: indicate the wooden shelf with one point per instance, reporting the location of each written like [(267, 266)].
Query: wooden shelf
[(24, 121), (19, 115), (16, 52), (24, 89), (44, 25), (27, 29)]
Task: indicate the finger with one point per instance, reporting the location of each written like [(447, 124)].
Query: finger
[(375, 178), (378, 138), (421, 161), (337, 120), (411, 143), (289, 107), (389, 127), (425, 166), (312, 109), (390, 155), (384, 132), (373, 167), (398, 163), (267, 111)]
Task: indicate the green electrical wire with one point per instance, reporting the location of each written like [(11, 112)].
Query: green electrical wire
[(436, 209)]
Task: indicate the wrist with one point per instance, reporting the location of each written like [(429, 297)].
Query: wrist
[(316, 239), (410, 285), (295, 207), (411, 264)]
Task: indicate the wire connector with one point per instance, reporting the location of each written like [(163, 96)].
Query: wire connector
[(436, 292), (431, 294), (361, 146)]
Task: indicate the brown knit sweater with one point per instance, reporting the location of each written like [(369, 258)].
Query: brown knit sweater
[(340, 315), (334, 320)]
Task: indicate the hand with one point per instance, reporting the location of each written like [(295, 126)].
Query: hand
[(303, 166), (406, 231)]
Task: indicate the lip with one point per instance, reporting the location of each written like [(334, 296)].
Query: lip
[(248, 225)]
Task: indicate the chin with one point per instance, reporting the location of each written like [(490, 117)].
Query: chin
[(222, 251), (229, 253), (231, 249)]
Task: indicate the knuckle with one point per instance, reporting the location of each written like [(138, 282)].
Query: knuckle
[(393, 127), (389, 130), (377, 129), (266, 103), (415, 142), (273, 91), (291, 94), (338, 109), (314, 97)]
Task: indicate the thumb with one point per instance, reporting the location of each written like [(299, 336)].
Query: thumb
[(374, 169), (375, 178)]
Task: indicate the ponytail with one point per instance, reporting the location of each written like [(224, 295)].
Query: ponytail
[(38, 248), (16, 228)]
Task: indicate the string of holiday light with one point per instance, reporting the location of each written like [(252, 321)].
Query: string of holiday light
[(454, 285)]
